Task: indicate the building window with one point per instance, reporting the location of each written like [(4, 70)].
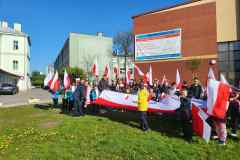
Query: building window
[(15, 65), (15, 45)]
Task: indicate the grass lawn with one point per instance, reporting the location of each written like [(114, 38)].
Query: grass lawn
[(41, 133)]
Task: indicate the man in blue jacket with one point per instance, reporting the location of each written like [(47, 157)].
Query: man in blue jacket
[(79, 99)]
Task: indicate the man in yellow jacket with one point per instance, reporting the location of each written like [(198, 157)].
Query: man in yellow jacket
[(143, 96)]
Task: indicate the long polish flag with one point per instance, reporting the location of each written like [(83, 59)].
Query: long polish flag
[(218, 95)]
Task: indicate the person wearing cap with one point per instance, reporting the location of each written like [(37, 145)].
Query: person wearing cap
[(143, 97)]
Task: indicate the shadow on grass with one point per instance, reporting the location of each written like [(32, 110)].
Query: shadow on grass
[(165, 123), (45, 106)]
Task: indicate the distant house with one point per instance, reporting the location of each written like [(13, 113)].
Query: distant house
[(14, 56), (80, 50)]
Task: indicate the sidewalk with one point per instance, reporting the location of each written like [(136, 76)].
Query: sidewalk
[(33, 96)]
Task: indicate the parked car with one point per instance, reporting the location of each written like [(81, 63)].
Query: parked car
[(6, 88)]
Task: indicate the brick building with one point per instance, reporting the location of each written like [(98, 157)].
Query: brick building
[(208, 30)]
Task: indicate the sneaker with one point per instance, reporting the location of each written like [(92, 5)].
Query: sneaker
[(221, 143), (215, 137), (233, 134)]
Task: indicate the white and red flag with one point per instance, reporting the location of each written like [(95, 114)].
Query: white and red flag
[(48, 79), (178, 80), (66, 80), (217, 101), (116, 71), (211, 74), (140, 73), (95, 68), (164, 80), (199, 124), (128, 75), (150, 75), (55, 85), (107, 71)]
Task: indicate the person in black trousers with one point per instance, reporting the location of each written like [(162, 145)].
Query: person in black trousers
[(234, 107), (79, 98), (185, 115)]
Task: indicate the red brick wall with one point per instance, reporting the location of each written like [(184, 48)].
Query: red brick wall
[(169, 69), (199, 36)]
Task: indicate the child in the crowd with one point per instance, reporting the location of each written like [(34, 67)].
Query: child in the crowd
[(234, 107), (55, 96), (93, 96), (185, 114), (69, 99)]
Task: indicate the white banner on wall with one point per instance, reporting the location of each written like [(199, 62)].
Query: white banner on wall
[(158, 45)]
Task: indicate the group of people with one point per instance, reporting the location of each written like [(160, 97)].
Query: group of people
[(82, 94)]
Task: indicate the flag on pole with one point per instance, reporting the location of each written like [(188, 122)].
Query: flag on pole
[(66, 80), (116, 71), (164, 80), (218, 95), (211, 74), (128, 75), (199, 124), (150, 75), (107, 71), (178, 80), (55, 85), (95, 68), (48, 79), (140, 73)]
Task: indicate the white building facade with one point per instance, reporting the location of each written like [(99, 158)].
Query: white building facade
[(81, 50), (14, 56)]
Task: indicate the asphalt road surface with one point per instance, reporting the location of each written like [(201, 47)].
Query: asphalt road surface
[(35, 95)]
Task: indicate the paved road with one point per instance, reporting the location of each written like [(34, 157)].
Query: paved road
[(23, 98)]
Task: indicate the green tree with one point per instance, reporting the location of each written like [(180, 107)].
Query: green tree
[(37, 79), (73, 72)]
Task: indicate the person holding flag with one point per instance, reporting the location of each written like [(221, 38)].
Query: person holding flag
[(54, 89), (217, 106), (185, 115)]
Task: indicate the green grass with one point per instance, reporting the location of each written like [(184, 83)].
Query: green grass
[(33, 133)]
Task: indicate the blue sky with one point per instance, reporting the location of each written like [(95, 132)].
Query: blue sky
[(48, 22)]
